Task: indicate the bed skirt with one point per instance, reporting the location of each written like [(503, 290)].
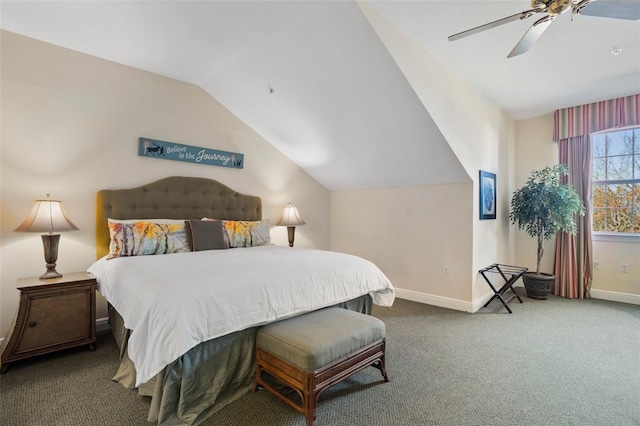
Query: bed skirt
[(206, 378)]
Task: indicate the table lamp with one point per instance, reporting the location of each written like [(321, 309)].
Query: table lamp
[(291, 218), (48, 216)]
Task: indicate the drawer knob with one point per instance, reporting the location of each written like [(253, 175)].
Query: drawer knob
[(32, 324)]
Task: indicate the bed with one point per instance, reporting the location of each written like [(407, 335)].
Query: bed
[(186, 336)]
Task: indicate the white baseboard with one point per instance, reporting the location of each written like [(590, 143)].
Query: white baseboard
[(479, 303), (102, 324), (460, 305), (431, 299), (615, 296)]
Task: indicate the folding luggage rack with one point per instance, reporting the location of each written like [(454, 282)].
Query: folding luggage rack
[(503, 270)]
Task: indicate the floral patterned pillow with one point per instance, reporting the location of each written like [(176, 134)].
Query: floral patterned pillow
[(147, 237), (245, 233)]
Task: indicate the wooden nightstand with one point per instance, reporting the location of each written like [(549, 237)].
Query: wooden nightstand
[(53, 314)]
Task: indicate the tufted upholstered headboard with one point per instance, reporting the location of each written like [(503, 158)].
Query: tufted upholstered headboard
[(174, 197)]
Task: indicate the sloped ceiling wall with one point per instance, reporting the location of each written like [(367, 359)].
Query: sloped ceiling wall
[(324, 90), (312, 78)]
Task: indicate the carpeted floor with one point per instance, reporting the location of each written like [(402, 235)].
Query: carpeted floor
[(553, 362)]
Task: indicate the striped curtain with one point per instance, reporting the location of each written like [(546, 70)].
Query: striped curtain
[(573, 262), (573, 126), (590, 118)]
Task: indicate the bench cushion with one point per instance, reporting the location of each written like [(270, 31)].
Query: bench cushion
[(319, 338)]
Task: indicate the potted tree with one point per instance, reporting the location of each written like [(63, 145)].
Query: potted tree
[(543, 207)]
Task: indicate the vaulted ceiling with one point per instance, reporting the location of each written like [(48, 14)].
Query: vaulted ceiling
[(314, 79)]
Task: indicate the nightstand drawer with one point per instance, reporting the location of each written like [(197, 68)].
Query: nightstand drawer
[(56, 319)]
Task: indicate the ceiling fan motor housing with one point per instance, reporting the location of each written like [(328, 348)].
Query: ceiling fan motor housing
[(538, 4), (554, 7)]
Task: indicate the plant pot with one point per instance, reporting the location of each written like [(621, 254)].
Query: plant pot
[(538, 286)]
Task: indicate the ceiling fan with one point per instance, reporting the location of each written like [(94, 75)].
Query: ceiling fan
[(618, 9)]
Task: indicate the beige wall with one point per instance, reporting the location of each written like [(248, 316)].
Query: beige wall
[(534, 150), (411, 233), (609, 282), (70, 126), (482, 137)]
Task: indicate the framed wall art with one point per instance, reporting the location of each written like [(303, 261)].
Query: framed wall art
[(487, 186)]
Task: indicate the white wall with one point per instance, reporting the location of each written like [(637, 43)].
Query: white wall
[(535, 149), (482, 137), (70, 127)]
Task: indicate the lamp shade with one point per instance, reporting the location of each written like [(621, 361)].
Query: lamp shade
[(291, 217), (47, 216)]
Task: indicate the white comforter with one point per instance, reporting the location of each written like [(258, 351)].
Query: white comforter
[(174, 302)]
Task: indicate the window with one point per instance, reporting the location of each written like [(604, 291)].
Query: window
[(616, 181)]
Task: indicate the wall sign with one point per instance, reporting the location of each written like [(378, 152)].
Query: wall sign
[(190, 154)]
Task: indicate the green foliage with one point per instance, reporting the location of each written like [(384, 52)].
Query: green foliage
[(544, 206)]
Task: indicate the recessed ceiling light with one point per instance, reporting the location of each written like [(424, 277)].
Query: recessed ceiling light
[(616, 51)]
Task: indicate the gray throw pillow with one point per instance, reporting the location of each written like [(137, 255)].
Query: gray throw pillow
[(205, 234)]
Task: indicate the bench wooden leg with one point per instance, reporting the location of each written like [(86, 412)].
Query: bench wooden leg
[(381, 364), (256, 381), (309, 407), (307, 395)]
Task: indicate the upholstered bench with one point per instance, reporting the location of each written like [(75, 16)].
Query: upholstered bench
[(312, 352)]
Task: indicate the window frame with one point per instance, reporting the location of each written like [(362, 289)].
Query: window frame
[(612, 235)]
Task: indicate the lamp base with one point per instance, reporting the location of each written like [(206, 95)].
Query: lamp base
[(291, 233), (50, 244), (50, 274)]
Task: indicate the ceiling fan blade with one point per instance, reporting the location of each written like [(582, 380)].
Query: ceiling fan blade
[(517, 16), (531, 36), (617, 9)]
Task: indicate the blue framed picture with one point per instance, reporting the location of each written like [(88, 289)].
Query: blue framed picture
[(487, 186)]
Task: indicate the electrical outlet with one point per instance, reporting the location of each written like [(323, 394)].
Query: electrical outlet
[(596, 265), (445, 270), (624, 267)]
